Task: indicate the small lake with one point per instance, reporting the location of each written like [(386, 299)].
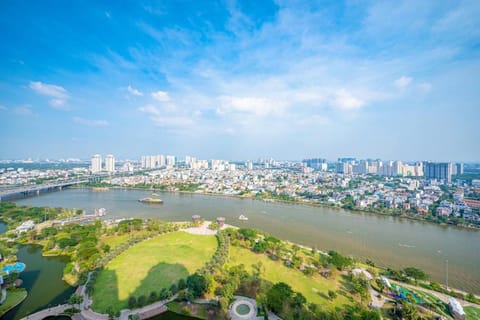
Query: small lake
[(42, 279)]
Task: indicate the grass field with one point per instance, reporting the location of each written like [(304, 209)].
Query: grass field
[(472, 313), (314, 288), (14, 297), (150, 266)]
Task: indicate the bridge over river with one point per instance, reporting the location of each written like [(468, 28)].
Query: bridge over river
[(35, 190)]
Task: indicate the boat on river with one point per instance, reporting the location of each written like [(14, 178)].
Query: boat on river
[(151, 200), (242, 217)]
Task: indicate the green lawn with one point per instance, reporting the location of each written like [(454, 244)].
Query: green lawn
[(150, 266), (472, 313), (314, 288), (13, 298)]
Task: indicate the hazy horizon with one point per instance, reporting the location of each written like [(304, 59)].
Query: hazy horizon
[(241, 80)]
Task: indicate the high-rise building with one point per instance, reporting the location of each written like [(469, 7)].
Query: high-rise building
[(438, 170), (316, 163), (152, 162), (459, 167), (171, 161), (110, 163), (96, 165)]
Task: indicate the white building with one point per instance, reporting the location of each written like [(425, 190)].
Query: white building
[(96, 163), (26, 226), (171, 161), (110, 163)]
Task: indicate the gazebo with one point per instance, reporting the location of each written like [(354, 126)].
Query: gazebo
[(196, 218), (220, 221)]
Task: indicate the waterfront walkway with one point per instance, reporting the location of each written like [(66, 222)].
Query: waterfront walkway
[(48, 312)]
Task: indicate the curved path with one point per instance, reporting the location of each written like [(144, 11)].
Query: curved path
[(88, 314)]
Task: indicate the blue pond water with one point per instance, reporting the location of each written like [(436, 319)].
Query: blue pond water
[(16, 267)]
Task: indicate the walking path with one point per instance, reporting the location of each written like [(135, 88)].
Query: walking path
[(48, 312), (88, 314), (4, 295)]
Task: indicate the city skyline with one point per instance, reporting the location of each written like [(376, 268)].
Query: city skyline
[(227, 80)]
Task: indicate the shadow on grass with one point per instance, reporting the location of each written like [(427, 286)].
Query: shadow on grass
[(324, 296), (160, 276), (105, 293)]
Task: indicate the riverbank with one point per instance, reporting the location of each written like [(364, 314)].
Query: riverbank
[(355, 210), (386, 240)]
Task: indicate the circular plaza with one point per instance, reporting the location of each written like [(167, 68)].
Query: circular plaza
[(243, 309)]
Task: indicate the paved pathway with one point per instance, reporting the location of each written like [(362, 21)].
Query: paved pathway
[(4, 295), (88, 314), (48, 312)]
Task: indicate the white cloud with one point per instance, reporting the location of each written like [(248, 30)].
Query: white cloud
[(168, 117), (134, 91), (252, 105), (150, 109), (402, 82), (425, 87), (343, 99), (49, 89), (161, 96), (23, 111), (59, 93), (175, 121), (90, 122)]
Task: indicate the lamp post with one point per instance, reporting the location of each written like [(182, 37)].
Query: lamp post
[(446, 272)]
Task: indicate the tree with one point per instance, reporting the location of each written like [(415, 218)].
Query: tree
[(196, 284), (415, 273), (380, 285), (173, 289), (257, 269), (132, 302), (409, 312), (153, 297), (75, 299), (142, 300), (277, 295), (338, 260), (182, 284), (470, 297), (246, 233), (332, 294)]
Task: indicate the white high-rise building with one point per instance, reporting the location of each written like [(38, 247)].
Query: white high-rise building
[(96, 163), (171, 161), (110, 163), (153, 162)]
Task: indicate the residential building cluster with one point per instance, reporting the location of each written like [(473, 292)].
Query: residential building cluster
[(418, 188), (96, 164), (395, 187), (21, 176)]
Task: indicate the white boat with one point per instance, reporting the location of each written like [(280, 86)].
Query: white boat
[(242, 217)]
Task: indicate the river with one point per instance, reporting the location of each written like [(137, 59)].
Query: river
[(388, 241)]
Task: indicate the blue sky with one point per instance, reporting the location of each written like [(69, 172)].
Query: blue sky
[(240, 80)]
